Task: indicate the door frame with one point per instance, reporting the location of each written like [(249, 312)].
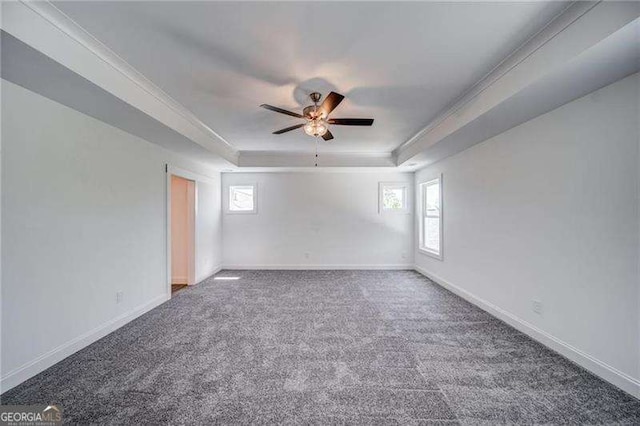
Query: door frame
[(196, 178)]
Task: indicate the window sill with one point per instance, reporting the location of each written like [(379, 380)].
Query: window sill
[(241, 212), (430, 253), (395, 211)]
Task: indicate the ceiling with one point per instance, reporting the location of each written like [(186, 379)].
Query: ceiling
[(400, 63)]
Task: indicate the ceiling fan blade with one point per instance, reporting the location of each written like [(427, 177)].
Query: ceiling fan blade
[(281, 111), (351, 121), (288, 129), (330, 103), (327, 136)]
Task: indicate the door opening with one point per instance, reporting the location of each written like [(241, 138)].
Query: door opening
[(183, 201)]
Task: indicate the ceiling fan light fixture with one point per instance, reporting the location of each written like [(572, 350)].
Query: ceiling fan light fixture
[(316, 127)]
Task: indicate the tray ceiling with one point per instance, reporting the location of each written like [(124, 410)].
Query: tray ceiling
[(400, 63)]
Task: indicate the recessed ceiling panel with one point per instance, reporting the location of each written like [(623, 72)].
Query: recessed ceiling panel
[(399, 63)]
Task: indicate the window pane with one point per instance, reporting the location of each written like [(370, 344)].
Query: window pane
[(432, 234), (241, 198), (431, 220), (433, 199), (393, 198)]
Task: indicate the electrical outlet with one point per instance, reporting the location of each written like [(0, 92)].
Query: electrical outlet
[(536, 306), (307, 255), (119, 296), (404, 255)]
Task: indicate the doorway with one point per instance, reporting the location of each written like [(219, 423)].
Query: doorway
[(183, 209)]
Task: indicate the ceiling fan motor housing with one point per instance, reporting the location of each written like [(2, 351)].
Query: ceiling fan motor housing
[(312, 112)]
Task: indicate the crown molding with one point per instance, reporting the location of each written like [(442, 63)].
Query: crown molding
[(579, 27), (48, 30), (391, 172)]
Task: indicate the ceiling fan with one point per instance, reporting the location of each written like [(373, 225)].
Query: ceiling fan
[(317, 116)]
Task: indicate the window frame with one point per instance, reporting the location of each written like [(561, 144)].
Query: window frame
[(228, 200), (423, 215), (405, 189)]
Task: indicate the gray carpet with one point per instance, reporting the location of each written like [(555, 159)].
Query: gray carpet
[(322, 347)]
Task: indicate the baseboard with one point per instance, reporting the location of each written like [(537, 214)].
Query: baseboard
[(179, 280), (590, 363), (321, 267), (214, 271), (41, 363)]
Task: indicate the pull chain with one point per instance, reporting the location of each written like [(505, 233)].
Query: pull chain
[(315, 112)]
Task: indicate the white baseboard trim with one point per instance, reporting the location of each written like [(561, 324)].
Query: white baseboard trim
[(204, 276), (41, 363), (590, 363), (320, 267)]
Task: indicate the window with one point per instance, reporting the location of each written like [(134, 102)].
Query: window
[(393, 197), (431, 218), (242, 199)]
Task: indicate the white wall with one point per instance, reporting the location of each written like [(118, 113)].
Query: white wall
[(83, 217), (317, 220), (208, 229), (549, 211)]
